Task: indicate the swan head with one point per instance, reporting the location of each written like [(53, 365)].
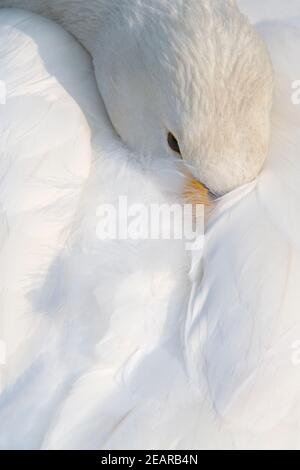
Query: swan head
[(189, 78)]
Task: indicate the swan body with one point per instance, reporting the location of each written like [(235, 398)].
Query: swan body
[(196, 69), (59, 283)]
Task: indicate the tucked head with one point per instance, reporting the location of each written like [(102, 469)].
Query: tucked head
[(189, 78)]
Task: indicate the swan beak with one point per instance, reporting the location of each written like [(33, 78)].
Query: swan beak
[(196, 193)]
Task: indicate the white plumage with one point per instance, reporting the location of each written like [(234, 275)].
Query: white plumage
[(196, 70), (114, 345)]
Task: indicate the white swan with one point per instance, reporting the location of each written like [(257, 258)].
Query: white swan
[(193, 76), (269, 9), (111, 360)]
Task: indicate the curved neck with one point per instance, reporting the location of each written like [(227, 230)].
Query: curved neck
[(81, 18)]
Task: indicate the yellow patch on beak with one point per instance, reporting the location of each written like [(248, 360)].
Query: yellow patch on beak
[(196, 193)]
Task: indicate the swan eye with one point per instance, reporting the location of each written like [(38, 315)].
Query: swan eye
[(173, 143)]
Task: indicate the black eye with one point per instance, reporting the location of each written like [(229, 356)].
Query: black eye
[(173, 143)]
